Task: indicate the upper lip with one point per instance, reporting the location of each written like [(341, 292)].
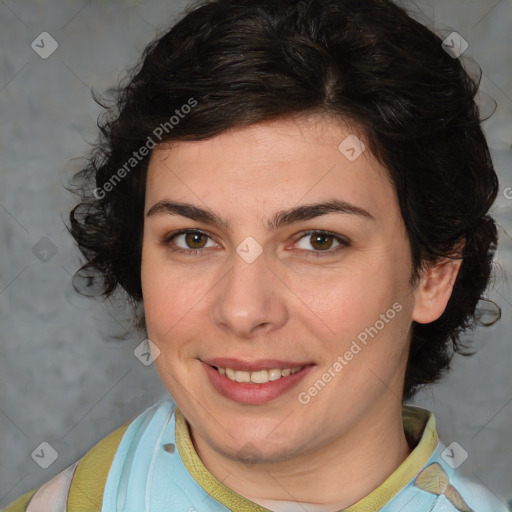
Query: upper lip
[(257, 364)]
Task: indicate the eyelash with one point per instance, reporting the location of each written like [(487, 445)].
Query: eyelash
[(201, 252)]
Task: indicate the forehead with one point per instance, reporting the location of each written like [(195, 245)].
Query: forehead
[(272, 164)]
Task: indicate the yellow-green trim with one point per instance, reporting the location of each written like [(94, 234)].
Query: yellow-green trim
[(90, 477), (203, 477), (20, 505), (417, 422)]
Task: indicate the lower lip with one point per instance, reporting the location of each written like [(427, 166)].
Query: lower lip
[(251, 393)]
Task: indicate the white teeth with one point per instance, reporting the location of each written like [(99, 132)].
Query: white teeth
[(242, 376), (274, 374), (258, 376)]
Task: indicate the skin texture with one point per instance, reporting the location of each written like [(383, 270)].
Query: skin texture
[(288, 304)]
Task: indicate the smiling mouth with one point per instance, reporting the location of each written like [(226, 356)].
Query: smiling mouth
[(255, 382), (257, 376)]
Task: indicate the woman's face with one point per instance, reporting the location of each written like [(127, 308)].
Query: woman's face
[(255, 286)]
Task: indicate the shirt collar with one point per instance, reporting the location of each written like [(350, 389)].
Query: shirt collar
[(420, 430)]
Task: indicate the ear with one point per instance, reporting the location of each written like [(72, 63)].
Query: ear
[(434, 290)]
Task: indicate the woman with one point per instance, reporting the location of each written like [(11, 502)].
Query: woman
[(297, 192)]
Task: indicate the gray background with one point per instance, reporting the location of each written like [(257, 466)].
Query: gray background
[(62, 378)]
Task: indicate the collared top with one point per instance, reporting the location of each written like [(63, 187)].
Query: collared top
[(150, 464)]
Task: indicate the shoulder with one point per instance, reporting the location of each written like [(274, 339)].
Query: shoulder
[(479, 497), (50, 497), (440, 482), (455, 492), (83, 482)]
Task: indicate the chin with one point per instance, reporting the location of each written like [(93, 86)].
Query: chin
[(259, 452), (252, 446)]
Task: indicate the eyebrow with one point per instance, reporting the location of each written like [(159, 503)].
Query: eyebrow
[(281, 218)]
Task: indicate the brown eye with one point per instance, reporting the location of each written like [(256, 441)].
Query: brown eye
[(321, 242), (189, 241), (195, 240)]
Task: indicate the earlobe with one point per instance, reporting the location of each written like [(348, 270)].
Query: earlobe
[(434, 290)]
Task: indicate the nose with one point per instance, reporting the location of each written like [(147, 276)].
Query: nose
[(250, 300)]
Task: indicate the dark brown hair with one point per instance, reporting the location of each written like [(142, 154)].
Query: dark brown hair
[(238, 62)]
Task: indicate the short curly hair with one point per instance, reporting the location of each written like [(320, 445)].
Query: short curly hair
[(239, 62)]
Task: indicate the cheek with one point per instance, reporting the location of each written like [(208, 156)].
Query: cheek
[(174, 298), (345, 302), (169, 308), (161, 303)]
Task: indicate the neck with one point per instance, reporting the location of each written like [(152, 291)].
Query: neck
[(331, 478)]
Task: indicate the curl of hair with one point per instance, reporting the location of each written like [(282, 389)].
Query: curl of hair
[(368, 63)]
